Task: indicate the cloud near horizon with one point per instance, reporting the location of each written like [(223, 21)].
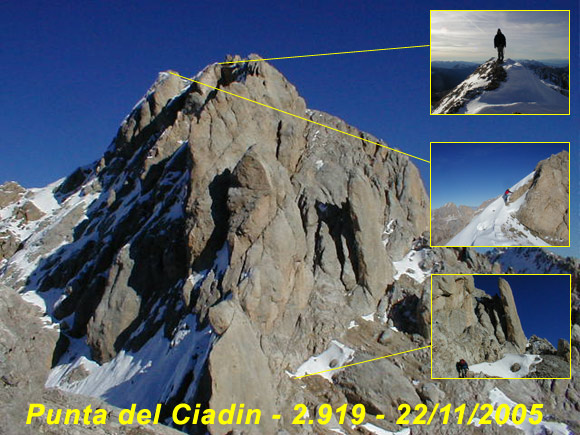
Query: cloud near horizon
[(468, 35)]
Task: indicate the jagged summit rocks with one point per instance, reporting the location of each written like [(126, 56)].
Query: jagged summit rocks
[(513, 327), (486, 77)]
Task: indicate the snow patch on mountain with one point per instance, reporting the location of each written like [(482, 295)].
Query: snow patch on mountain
[(503, 405), (411, 265), (26, 260), (43, 198), (336, 355), (154, 373), (502, 368), (523, 92)]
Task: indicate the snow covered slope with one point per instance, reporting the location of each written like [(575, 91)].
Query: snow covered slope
[(504, 88), (497, 225), (502, 367), (528, 425)]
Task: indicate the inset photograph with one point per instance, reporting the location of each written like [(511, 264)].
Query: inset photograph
[(498, 326), (500, 194), (500, 62)]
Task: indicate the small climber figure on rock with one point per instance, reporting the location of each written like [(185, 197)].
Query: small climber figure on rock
[(506, 196), (499, 43), (462, 368)]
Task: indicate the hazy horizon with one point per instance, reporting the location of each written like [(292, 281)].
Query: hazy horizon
[(468, 35), (546, 61)]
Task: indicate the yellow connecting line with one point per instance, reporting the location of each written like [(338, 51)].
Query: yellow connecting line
[(323, 54), (296, 116), (362, 362)]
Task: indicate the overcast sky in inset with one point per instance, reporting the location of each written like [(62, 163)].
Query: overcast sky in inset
[(468, 35)]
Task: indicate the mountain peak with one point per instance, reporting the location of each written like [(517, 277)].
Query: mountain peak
[(238, 226)]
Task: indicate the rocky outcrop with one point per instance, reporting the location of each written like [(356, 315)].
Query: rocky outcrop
[(470, 324), (545, 210), (8, 244), (488, 76), (514, 331), (10, 193), (539, 346)]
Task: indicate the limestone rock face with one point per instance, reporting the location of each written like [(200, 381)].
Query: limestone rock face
[(8, 244), (270, 230), (470, 324), (117, 310), (564, 349), (545, 210), (28, 212), (237, 357), (10, 193), (514, 331), (361, 382), (540, 346), (219, 245)]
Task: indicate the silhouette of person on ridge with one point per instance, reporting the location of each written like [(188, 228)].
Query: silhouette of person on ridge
[(462, 368), (499, 43)]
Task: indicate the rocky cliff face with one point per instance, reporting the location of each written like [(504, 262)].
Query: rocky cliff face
[(219, 247), (545, 210), (470, 324), (271, 235)]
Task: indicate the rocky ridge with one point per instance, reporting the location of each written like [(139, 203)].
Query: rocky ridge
[(486, 77)]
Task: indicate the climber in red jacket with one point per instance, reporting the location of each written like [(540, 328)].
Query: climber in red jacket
[(506, 195)]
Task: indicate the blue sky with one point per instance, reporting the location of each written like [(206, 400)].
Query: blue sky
[(71, 71), (545, 316), (468, 35), (471, 173)]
